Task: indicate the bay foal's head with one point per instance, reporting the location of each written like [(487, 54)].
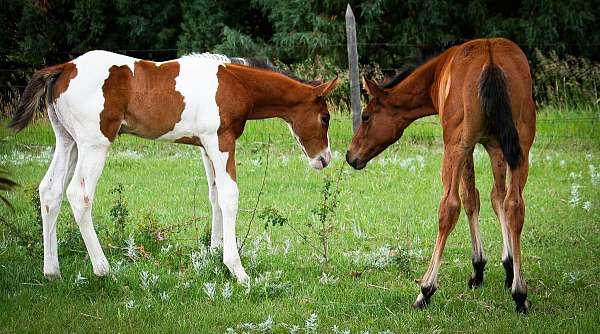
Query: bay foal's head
[(383, 122), (308, 121)]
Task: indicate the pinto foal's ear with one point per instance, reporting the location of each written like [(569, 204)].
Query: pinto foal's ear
[(372, 88), (326, 88)]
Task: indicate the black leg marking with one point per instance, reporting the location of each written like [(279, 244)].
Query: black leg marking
[(427, 292), (508, 268), (521, 303), (476, 279)]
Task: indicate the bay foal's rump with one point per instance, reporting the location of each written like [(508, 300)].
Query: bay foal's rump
[(481, 91), (201, 100)]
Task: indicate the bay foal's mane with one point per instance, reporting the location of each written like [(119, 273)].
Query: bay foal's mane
[(425, 54)]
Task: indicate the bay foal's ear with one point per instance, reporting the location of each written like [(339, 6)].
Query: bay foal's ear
[(372, 88), (326, 88)]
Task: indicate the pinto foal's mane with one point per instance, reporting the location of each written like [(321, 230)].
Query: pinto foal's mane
[(259, 63), (425, 54)]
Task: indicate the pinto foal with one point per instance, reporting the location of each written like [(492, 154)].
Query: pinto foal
[(201, 100), (481, 91)]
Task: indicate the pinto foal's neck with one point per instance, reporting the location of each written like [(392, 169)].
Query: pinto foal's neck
[(271, 93)]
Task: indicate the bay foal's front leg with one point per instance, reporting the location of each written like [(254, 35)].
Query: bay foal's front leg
[(216, 234), (452, 166), (228, 196), (470, 199)]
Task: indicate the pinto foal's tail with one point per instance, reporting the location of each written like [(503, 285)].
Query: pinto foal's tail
[(495, 103), (38, 88)]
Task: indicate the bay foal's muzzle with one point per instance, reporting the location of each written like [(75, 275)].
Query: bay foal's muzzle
[(355, 161), (321, 160)]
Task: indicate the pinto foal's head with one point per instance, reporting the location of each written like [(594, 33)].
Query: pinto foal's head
[(309, 123), (383, 122)]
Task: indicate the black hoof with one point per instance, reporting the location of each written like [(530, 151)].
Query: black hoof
[(476, 279), (508, 269), (424, 297), (521, 304)]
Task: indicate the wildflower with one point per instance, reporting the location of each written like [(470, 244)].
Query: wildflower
[(165, 249), (209, 289), (312, 324), (328, 279), (587, 206), (148, 281), (80, 280), (130, 304), (131, 250), (164, 296), (287, 247), (226, 292), (574, 195)]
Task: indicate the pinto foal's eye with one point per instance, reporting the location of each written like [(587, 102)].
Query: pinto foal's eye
[(325, 119), (366, 118)]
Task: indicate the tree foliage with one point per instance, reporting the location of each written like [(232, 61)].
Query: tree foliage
[(49, 31)]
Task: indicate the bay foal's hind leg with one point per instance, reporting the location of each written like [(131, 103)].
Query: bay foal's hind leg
[(51, 191), (515, 214), (497, 196), (452, 166), (228, 196), (216, 235), (470, 199), (81, 196)]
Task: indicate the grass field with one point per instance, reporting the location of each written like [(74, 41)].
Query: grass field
[(383, 233)]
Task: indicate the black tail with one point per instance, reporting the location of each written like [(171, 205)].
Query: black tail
[(33, 96), (495, 103)]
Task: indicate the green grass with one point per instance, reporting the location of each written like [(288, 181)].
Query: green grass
[(393, 201)]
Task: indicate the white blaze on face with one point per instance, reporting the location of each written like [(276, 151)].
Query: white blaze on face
[(321, 160)]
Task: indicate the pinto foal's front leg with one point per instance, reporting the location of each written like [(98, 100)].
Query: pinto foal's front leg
[(228, 196)]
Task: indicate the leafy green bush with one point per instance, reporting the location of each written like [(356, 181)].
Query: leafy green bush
[(566, 82)]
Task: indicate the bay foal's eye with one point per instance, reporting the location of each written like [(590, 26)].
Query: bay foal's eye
[(325, 119), (366, 118)]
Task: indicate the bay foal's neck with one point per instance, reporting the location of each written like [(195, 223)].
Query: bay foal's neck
[(415, 92), (272, 94)]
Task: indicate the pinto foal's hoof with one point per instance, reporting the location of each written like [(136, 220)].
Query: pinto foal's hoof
[(55, 276)]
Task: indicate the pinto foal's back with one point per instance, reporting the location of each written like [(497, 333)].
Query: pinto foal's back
[(481, 91), (201, 100)]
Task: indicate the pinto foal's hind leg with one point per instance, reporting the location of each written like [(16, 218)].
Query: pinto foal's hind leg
[(216, 235), (51, 191), (470, 198), (81, 196), (452, 166)]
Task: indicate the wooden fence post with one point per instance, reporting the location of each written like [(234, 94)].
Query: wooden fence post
[(353, 68)]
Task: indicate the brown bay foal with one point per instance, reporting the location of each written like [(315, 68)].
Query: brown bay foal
[(481, 91)]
